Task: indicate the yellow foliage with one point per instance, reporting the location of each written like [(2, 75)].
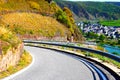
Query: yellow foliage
[(34, 5), (34, 24), (4, 31), (40, 6), (7, 39)]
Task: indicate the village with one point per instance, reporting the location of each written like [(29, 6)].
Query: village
[(108, 31)]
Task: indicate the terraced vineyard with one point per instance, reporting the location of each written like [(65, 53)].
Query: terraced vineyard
[(33, 24)]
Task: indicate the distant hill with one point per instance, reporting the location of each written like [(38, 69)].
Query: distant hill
[(92, 10), (38, 17), (115, 3)]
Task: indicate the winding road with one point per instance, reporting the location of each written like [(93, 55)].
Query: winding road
[(53, 65)]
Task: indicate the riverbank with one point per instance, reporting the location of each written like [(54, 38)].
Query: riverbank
[(112, 49), (106, 48)]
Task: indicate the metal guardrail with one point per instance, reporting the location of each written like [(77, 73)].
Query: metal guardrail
[(112, 56)]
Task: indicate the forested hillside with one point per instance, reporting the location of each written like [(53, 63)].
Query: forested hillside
[(115, 3), (92, 10)]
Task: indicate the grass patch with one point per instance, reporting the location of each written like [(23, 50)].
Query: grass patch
[(25, 60), (104, 59), (111, 23)]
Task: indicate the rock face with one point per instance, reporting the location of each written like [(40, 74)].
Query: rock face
[(11, 58)]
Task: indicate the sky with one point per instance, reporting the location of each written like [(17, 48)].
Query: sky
[(96, 0)]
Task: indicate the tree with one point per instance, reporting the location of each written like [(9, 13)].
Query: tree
[(69, 14), (96, 36), (92, 35), (61, 17), (102, 37)]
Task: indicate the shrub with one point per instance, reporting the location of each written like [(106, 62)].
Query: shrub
[(116, 53), (119, 41), (34, 5), (63, 18), (102, 37), (8, 39)]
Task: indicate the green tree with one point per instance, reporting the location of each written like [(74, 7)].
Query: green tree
[(102, 37), (92, 35), (61, 17), (96, 36)]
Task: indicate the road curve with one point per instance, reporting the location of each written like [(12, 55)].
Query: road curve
[(50, 65)]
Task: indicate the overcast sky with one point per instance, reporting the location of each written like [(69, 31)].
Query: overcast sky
[(96, 0)]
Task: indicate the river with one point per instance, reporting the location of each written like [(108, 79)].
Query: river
[(112, 49)]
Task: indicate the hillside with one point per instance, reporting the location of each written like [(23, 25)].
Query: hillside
[(115, 3), (92, 10), (38, 18), (38, 6), (33, 24)]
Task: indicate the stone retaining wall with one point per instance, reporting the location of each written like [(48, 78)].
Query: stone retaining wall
[(32, 37), (11, 58)]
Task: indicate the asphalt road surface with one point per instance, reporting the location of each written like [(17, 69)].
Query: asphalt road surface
[(52, 65)]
